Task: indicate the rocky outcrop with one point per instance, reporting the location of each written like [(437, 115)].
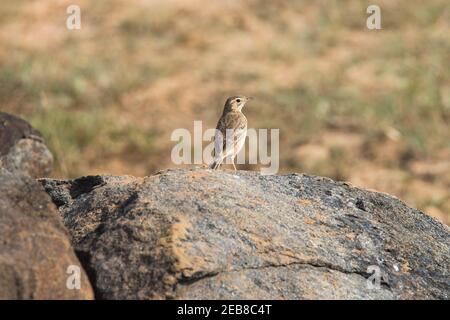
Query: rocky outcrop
[(202, 234), (22, 148), (35, 249)]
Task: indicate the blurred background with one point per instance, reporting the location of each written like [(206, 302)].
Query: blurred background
[(369, 107)]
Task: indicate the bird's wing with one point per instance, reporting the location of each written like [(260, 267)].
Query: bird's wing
[(236, 124)]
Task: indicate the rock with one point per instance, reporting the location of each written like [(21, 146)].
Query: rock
[(22, 148), (202, 234), (35, 247)]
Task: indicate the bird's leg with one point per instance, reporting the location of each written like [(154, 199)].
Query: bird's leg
[(234, 165), (219, 162)]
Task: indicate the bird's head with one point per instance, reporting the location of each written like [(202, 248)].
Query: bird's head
[(236, 103)]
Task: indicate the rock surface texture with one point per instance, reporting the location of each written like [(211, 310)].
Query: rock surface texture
[(202, 234), (22, 148), (35, 247)]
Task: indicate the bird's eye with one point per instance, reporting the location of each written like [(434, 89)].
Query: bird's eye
[(238, 100)]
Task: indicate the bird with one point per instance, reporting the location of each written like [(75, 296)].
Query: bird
[(231, 131)]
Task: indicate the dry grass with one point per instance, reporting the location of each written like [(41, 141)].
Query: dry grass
[(371, 107)]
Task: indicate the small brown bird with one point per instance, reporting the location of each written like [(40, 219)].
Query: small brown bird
[(231, 131)]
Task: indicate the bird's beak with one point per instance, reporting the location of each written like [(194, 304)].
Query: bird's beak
[(250, 98)]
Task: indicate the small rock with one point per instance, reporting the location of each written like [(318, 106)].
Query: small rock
[(22, 148)]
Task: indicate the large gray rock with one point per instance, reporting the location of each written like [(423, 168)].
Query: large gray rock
[(35, 247), (22, 148), (202, 234)]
